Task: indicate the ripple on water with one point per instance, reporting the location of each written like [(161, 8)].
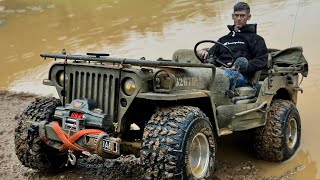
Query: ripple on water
[(26, 9), (21, 11), (62, 38), (95, 31), (119, 21), (27, 55), (1, 21), (50, 6), (104, 6), (35, 8), (11, 59)]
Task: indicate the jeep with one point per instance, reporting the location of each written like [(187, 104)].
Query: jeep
[(170, 113)]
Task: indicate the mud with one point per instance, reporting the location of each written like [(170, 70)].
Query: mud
[(93, 167)]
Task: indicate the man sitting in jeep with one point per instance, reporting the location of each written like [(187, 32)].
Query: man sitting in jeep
[(249, 49)]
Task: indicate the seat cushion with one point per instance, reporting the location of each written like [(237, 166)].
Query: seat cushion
[(245, 91)]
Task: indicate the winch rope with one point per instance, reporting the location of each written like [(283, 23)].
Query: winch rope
[(69, 141)]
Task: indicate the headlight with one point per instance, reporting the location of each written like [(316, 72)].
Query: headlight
[(164, 81), (128, 86), (60, 78)]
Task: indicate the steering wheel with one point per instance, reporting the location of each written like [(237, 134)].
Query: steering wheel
[(214, 59)]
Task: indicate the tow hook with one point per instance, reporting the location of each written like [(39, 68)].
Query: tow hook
[(31, 132), (71, 158)]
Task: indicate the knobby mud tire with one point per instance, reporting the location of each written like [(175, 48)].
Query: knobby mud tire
[(270, 140), (40, 156), (166, 140)]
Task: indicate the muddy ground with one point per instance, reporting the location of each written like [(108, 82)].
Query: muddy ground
[(11, 104)]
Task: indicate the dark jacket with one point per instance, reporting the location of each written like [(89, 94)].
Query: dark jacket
[(244, 43)]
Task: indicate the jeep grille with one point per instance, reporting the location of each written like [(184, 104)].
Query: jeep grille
[(101, 87)]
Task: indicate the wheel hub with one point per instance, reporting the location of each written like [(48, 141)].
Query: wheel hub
[(199, 155), (292, 133)]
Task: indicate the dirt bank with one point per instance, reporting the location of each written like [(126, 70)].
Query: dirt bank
[(11, 104)]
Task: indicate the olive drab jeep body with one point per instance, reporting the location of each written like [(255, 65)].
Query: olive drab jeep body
[(167, 112)]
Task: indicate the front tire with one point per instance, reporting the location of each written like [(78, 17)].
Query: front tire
[(32, 151), (178, 143), (280, 138)]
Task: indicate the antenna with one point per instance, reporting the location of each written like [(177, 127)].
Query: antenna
[(294, 22)]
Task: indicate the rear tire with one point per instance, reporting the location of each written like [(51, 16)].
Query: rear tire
[(178, 143), (35, 153), (280, 138)]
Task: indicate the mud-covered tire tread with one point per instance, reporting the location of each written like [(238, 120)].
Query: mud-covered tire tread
[(270, 141), (43, 157), (163, 137)]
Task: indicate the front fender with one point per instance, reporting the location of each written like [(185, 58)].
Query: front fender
[(173, 96)]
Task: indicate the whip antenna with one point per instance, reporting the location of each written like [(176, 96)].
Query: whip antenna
[(294, 22)]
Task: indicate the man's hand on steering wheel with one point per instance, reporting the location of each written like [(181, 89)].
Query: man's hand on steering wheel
[(203, 54)]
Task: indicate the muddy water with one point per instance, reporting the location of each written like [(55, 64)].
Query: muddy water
[(155, 29)]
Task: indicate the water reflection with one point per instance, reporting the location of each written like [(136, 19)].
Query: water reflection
[(237, 148), (51, 26), (300, 167), (95, 26)]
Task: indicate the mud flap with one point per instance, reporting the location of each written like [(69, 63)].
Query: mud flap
[(225, 115)]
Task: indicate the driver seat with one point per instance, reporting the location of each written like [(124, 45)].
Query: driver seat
[(248, 94), (242, 95)]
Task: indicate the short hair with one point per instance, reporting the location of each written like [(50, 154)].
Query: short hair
[(241, 6)]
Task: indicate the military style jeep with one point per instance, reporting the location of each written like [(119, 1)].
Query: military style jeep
[(170, 113)]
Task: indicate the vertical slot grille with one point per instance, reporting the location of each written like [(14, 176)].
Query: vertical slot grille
[(101, 87)]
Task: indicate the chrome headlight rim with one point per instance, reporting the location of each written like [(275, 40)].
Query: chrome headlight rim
[(128, 86), (60, 78)]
